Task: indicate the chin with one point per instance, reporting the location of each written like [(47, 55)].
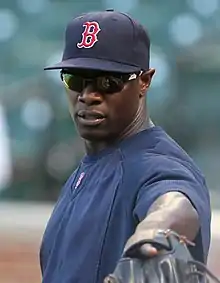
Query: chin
[(94, 135)]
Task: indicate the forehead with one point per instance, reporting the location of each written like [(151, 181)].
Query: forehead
[(92, 73)]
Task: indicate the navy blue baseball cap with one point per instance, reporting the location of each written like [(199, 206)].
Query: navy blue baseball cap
[(106, 41)]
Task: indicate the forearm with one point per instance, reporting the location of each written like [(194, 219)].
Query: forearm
[(171, 211)]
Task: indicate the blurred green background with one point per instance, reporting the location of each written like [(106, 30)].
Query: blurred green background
[(39, 146)]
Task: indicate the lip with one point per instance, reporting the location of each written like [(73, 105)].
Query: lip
[(90, 118)]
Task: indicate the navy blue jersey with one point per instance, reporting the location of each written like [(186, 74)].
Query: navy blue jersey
[(107, 196)]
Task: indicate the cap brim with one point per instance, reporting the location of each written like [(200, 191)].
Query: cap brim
[(94, 64)]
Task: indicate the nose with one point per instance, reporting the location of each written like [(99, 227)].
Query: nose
[(90, 97)]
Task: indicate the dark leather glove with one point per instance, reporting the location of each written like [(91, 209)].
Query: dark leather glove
[(173, 264)]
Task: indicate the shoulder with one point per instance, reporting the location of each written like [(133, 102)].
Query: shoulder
[(159, 155), (166, 174), (147, 168)]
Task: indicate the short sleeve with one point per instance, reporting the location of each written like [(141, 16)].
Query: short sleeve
[(167, 175)]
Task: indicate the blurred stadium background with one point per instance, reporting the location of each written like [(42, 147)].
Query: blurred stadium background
[(39, 146)]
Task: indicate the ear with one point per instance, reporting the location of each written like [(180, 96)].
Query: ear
[(145, 81)]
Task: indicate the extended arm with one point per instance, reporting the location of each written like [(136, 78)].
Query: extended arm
[(172, 210)]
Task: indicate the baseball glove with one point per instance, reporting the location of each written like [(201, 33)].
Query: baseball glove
[(174, 264)]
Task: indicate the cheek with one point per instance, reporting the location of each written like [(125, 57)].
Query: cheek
[(129, 103), (125, 108), (72, 98)]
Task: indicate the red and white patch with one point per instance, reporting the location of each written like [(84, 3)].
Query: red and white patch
[(79, 180), (89, 36)]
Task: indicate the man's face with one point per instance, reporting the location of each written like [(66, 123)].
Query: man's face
[(102, 115)]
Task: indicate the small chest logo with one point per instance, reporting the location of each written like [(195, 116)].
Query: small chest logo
[(79, 180), (89, 36)]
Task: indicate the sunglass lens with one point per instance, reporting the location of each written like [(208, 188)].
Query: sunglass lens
[(109, 84), (72, 82)]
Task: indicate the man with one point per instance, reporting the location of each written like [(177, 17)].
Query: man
[(134, 179)]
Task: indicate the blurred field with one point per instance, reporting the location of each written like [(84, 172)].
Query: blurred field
[(21, 228)]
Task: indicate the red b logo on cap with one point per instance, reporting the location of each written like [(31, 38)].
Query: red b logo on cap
[(89, 36)]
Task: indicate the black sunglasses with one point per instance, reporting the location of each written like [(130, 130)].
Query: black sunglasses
[(103, 83)]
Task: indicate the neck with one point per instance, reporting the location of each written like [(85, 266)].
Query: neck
[(140, 123)]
